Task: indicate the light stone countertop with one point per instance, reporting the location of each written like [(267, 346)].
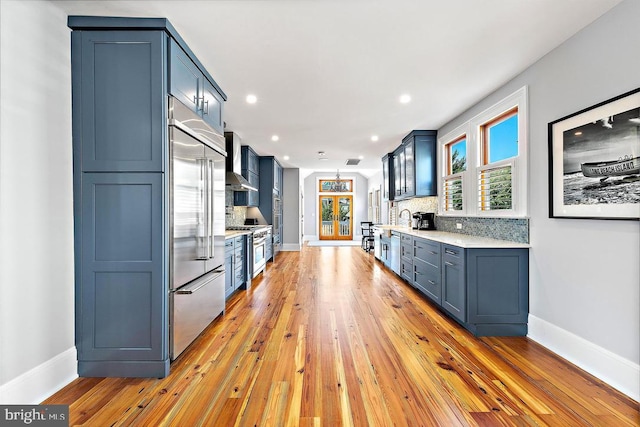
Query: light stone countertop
[(229, 234), (455, 239)]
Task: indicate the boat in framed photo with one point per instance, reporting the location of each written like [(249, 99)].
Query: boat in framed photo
[(627, 165)]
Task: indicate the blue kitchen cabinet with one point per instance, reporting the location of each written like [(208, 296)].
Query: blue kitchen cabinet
[(270, 197), (497, 291), (454, 287), (427, 270), (188, 83), (250, 161), (121, 305), (212, 107), (406, 257), (388, 177), (185, 79), (250, 169), (485, 289), (235, 264), (122, 120), (120, 69), (229, 258), (414, 166)]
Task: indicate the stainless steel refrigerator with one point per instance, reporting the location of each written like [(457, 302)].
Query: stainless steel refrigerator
[(197, 226)]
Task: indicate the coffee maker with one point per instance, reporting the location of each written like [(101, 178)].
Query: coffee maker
[(424, 221)]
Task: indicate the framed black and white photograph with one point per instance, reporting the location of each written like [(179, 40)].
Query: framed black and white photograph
[(594, 161)]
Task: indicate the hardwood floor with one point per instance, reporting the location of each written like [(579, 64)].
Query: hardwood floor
[(328, 337)]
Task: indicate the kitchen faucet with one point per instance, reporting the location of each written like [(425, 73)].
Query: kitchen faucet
[(400, 215)]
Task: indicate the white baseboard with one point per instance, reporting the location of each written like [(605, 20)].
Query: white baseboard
[(34, 386), (290, 247), (618, 372)]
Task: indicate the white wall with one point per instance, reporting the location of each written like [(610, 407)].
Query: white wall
[(584, 274), (37, 352), (291, 239), (311, 202)]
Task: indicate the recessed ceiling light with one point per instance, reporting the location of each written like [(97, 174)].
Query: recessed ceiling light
[(321, 153), (252, 99), (275, 138), (361, 157), (405, 99), (374, 138), (286, 157)]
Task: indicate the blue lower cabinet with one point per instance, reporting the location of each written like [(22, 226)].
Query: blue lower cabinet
[(498, 291), (454, 289), (122, 329), (426, 278), (235, 264), (485, 289), (229, 258)]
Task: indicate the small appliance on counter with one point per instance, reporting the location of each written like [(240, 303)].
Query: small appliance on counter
[(251, 221), (423, 221)]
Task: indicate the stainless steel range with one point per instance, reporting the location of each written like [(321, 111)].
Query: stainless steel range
[(261, 237)]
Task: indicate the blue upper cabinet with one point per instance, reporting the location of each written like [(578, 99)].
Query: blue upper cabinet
[(388, 178), (250, 163), (212, 107), (414, 166), (121, 123), (185, 80), (193, 88)]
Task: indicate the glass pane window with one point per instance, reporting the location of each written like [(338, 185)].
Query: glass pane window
[(457, 156), (495, 189), (453, 199), (334, 185), (500, 138), (484, 166)]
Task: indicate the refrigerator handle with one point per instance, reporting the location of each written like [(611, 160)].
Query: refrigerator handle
[(203, 224), (210, 209)]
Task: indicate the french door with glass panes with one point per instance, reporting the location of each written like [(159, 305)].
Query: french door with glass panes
[(336, 217)]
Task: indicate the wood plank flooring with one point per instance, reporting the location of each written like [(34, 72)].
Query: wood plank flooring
[(329, 337)]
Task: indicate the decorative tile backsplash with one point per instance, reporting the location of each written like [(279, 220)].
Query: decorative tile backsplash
[(418, 204), (512, 229), (234, 215)]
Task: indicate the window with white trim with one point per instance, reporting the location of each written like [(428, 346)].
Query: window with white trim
[(498, 145), (492, 180), (455, 167)]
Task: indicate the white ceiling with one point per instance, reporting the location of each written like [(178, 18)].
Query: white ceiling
[(328, 73)]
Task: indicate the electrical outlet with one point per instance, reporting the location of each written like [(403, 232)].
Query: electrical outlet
[(459, 225)]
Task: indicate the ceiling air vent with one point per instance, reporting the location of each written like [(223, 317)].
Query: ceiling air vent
[(352, 162)]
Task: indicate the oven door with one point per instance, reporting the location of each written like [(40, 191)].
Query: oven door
[(259, 260)]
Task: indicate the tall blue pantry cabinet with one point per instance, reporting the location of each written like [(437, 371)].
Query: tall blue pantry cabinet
[(122, 72)]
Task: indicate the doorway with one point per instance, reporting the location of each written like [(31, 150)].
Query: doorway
[(336, 217)]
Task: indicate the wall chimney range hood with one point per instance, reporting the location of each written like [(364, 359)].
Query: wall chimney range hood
[(235, 181)]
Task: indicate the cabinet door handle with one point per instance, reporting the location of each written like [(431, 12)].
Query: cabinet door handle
[(433, 253), (449, 263), (432, 282), (450, 252), (205, 107), (199, 102)]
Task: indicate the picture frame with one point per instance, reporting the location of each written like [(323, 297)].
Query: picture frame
[(594, 161)]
